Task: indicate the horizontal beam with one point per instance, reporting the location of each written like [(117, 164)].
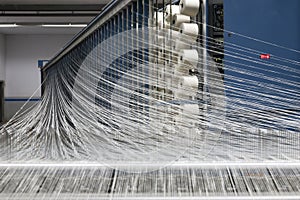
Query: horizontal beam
[(59, 196), (281, 164), (22, 14), (51, 7)]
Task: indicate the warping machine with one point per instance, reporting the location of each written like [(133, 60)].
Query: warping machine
[(139, 69), (155, 99)]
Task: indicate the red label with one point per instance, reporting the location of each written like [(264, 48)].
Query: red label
[(265, 56)]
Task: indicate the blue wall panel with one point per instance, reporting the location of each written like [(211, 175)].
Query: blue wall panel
[(272, 21)]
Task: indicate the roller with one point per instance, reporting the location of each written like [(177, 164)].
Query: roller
[(168, 38), (187, 87), (174, 9), (190, 113), (185, 115), (178, 19), (188, 58), (189, 7), (190, 109), (167, 33), (180, 44), (189, 83), (179, 70), (189, 31), (159, 39), (158, 19)]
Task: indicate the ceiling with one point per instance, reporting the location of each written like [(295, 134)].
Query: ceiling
[(30, 15)]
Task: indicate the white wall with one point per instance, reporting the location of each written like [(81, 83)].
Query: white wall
[(22, 75), (2, 57), (22, 55)]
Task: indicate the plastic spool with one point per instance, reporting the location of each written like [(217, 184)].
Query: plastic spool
[(180, 70), (178, 19), (174, 9), (188, 57), (185, 116), (159, 39), (188, 84), (168, 37), (189, 7), (179, 44), (167, 25), (168, 81), (189, 111), (172, 35), (189, 31), (187, 87), (159, 20), (166, 32)]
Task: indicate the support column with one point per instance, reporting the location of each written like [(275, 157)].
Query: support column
[(2, 75), (2, 57)]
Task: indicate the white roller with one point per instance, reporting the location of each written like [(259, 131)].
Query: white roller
[(188, 57), (178, 19), (170, 37), (189, 83), (159, 39), (187, 87), (190, 109), (179, 44), (190, 114), (169, 80), (173, 35), (186, 115), (159, 19), (189, 7), (167, 25), (169, 34), (180, 70), (174, 9), (189, 31), (176, 34)]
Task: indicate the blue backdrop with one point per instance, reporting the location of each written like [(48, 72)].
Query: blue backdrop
[(272, 21)]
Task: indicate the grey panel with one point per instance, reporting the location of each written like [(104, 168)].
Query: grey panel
[(12, 107)]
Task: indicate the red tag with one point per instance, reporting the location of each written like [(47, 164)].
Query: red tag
[(265, 56)]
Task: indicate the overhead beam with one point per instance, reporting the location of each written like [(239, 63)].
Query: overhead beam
[(52, 14), (51, 7)]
